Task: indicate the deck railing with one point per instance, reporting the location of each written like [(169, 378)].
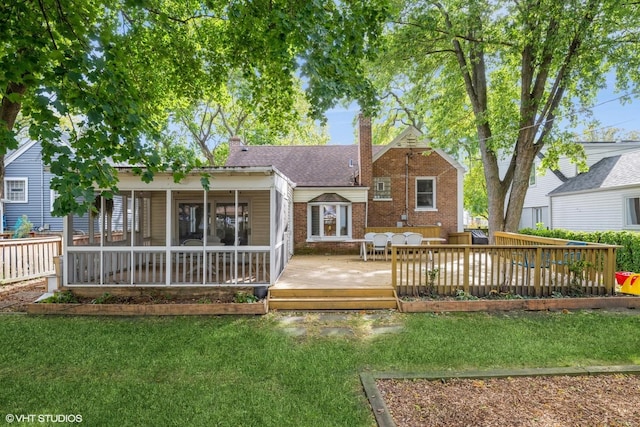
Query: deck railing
[(526, 270), (186, 265), (30, 258)]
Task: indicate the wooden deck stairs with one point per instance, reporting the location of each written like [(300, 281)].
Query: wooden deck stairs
[(332, 298)]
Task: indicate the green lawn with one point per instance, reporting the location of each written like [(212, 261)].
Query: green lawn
[(233, 371)]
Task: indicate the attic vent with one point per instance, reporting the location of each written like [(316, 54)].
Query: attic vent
[(350, 163), (245, 148), (411, 139)]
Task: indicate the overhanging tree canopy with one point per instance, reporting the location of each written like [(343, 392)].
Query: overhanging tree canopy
[(104, 75), (497, 76)]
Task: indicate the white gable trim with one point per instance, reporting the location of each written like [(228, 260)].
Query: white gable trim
[(411, 133), (19, 152)]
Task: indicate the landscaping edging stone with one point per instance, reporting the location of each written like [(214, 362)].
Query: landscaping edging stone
[(149, 309), (519, 304)]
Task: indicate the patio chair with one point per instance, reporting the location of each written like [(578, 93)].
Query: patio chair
[(414, 239), (192, 242), (397, 239), (369, 243), (380, 244)]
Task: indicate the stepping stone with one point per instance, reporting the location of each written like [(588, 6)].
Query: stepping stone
[(392, 329), (295, 332), (289, 320), (336, 332), (326, 317)]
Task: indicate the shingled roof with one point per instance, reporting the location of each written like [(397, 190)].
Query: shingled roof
[(306, 165), (610, 172)]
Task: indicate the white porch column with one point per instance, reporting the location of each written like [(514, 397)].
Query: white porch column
[(168, 241)]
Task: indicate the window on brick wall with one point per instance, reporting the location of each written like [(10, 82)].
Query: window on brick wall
[(329, 221), (425, 193), (382, 187)]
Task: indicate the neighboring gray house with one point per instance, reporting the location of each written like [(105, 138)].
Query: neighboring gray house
[(605, 198), (536, 209), (27, 189)]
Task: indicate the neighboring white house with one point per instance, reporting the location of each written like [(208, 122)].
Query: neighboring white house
[(605, 198), (536, 209)]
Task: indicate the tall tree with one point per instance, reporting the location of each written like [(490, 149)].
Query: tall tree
[(116, 68), (209, 125), (496, 76)]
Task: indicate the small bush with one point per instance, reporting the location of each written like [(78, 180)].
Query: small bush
[(66, 297), (627, 256), (243, 297)]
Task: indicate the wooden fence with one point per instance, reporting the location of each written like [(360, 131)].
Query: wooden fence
[(31, 258), (525, 270)]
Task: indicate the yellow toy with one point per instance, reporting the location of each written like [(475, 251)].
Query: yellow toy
[(631, 285)]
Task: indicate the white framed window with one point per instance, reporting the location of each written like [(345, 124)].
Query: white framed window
[(329, 220), (632, 211), (532, 176), (16, 190), (425, 193), (53, 195)]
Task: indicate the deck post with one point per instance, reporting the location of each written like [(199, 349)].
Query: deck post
[(537, 269), (394, 270), (465, 274)]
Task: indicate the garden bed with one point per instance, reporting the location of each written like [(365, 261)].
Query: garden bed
[(149, 303), (533, 304), (173, 309)]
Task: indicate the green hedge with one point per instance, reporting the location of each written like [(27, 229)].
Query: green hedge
[(627, 257)]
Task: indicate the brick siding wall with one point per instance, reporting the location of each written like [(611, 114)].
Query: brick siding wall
[(392, 164)]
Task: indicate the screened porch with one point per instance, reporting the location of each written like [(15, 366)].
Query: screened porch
[(236, 233)]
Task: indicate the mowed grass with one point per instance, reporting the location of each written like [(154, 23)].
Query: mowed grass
[(245, 371)]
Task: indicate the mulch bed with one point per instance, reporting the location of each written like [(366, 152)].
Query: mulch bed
[(15, 297), (595, 400)]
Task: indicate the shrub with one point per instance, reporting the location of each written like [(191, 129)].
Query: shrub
[(627, 256)]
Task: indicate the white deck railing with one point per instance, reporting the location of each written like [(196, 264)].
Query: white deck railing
[(30, 258), (181, 265)]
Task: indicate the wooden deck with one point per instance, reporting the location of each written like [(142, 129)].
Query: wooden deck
[(333, 282)]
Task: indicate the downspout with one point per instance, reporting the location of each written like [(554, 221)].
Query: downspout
[(406, 187), (42, 194)]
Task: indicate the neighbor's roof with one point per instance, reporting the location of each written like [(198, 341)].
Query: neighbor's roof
[(306, 165), (608, 173)]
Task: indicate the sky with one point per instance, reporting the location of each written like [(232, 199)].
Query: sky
[(608, 111)]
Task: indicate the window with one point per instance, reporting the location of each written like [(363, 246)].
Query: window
[(53, 195), (425, 193), (382, 188), (329, 220), (632, 208), (15, 190), (532, 176)]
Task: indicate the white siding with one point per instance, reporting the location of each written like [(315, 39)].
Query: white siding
[(158, 218), (595, 211), (259, 217), (303, 195)]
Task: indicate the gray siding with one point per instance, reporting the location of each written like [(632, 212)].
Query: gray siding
[(38, 207)]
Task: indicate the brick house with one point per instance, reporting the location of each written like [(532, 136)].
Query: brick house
[(341, 190)]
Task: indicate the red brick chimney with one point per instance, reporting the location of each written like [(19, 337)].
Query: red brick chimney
[(365, 151), (234, 141)]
